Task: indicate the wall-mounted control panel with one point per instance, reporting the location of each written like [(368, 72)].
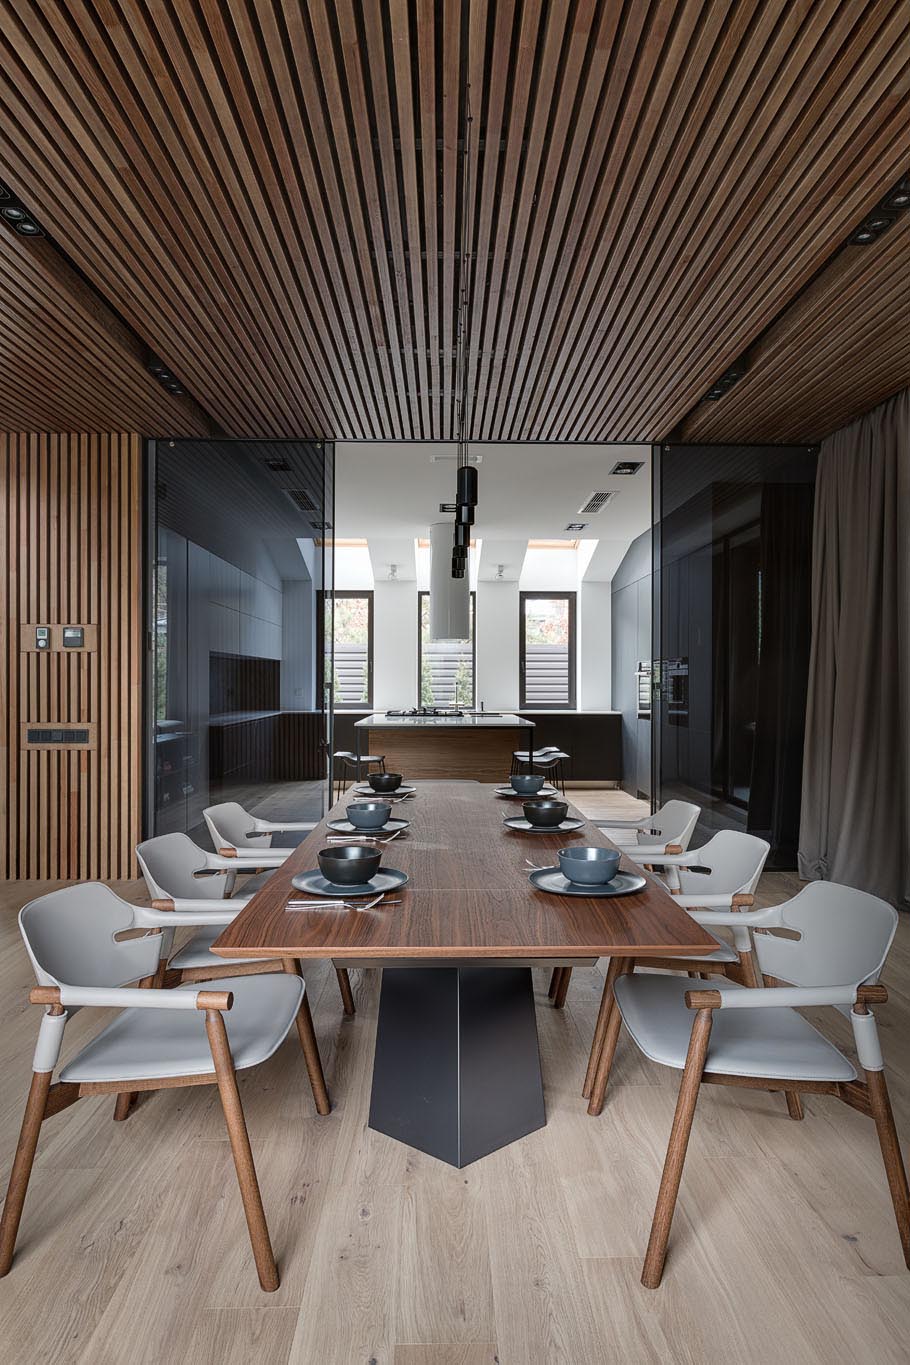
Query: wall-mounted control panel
[(57, 734), (55, 638)]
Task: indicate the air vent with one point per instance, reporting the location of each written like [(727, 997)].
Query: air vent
[(278, 466), (627, 467), (596, 503), (302, 499), (727, 380), (576, 526)]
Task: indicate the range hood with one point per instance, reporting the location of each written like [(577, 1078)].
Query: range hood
[(450, 598)]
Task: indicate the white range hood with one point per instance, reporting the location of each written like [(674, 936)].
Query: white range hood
[(450, 598)]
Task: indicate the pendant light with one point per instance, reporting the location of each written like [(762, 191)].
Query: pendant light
[(450, 598)]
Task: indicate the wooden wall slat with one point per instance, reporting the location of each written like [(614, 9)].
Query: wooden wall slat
[(70, 517)]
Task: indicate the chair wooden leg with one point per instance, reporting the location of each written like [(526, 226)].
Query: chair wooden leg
[(240, 1147), (554, 982), (307, 1035), (22, 1166), (606, 1005), (562, 988), (891, 1156), (676, 1150), (347, 995), (794, 1104), (608, 1049)]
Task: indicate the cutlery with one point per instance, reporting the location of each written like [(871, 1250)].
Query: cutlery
[(538, 867), (324, 903), (363, 838)]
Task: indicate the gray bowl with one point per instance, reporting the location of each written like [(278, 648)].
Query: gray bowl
[(368, 814), (384, 782), (589, 865), (527, 784), (349, 864), (544, 812)]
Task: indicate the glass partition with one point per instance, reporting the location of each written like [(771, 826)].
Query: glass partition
[(241, 541)]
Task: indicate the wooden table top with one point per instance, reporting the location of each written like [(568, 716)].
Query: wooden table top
[(468, 896)]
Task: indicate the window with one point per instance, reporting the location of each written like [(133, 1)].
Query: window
[(445, 668), (546, 644), (352, 677)]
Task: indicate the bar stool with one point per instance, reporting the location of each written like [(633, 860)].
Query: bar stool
[(348, 760), (547, 760)]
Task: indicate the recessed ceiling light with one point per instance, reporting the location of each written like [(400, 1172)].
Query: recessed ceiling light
[(576, 526), (28, 228), (627, 467), (13, 213)]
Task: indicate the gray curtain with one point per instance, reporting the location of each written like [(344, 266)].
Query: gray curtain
[(855, 822)]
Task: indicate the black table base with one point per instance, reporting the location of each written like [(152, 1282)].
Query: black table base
[(457, 1066)]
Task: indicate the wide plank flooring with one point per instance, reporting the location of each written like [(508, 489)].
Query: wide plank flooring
[(133, 1246)]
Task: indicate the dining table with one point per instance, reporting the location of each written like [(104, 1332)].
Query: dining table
[(456, 1069)]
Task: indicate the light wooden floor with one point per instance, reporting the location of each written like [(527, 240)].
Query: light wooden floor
[(133, 1246)]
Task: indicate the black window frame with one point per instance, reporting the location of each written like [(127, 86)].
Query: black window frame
[(473, 618), (338, 595), (572, 599)]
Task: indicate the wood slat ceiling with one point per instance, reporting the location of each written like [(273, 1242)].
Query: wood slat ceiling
[(270, 193)]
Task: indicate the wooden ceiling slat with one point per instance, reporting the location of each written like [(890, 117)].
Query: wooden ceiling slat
[(751, 242), (271, 196)]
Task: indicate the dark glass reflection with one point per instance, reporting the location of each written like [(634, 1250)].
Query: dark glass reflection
[(241, 565)]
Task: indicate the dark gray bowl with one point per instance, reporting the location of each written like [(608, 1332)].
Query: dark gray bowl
[(349, 864), (527, 784), (589, 865), (544, 812), (384, 782), (368, 814)]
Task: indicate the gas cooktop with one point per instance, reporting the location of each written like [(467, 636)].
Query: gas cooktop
[(428, 711)]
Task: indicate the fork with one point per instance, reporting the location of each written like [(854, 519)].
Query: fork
[(363, 838)]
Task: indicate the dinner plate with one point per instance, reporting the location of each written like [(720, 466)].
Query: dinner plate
[(403, 790), (551, 879), (526, 796), (345, 827), (519, 822), (314, 884)]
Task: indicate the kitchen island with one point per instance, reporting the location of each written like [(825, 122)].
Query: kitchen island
[(475, 747)]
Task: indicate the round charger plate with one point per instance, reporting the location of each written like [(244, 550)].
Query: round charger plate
[(526, 796), (551, 879), (314, 884), (378, 796), (519, 822), (345, 827)]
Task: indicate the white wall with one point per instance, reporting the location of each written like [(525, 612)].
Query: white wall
[(593, 624), (497, 645), (394, 645)]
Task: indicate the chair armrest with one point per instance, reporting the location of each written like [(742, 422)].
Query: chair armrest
[(122, 997), (655, 853), (621, 824), (793, 997), (269, 827), (724, 900), (769, 918), (245, 859), (185, 913)]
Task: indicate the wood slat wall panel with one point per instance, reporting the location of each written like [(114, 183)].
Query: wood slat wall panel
[(70, 517), (271, 195)]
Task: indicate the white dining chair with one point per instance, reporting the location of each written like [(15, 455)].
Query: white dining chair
[(668, 830), (716, 879), (837, 943), (178, 875), (233, 830), (158, 1039)]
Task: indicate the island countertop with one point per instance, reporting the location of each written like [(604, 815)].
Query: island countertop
[(381, 720)]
